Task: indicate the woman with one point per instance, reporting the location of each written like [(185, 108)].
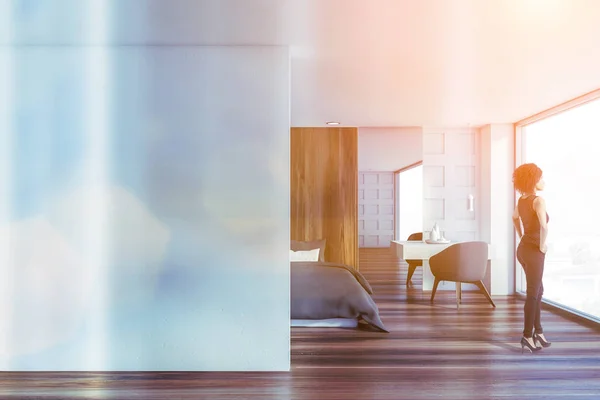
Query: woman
[(531, 253)]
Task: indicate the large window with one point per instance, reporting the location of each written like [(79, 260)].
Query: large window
[(566, 146)]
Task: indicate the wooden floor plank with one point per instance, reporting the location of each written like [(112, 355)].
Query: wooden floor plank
[(432, 351)]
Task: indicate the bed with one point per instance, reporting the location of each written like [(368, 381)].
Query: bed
[(327, 294)]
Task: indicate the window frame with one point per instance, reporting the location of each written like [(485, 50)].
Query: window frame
[(518, 158)]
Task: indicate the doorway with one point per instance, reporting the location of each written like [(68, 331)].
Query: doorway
[(409, 200)]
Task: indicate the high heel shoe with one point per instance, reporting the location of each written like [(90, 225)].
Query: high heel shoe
[(541, 339), (526, 344)]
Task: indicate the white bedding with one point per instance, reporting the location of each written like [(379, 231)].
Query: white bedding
[(325, 323)]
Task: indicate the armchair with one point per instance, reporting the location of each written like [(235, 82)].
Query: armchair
[(413, 264), (461, 262)]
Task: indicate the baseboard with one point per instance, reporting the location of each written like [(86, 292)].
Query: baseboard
[(568, 313)]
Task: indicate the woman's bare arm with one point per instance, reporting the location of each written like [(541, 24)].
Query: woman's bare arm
[(539, 205), (517, 222)]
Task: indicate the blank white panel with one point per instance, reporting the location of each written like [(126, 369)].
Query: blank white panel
[(463, 143), (371, 179), (371, 210), (361, 224), (386, 178), (433, 143), (361, 178), (464, 175), (361, 194), (371, 241), (387, 210), (434, 209), (433, 176), (361, 241), (386, 225), (371, 224), (433, 192), (386, 194), (361, 210), (371, 194)]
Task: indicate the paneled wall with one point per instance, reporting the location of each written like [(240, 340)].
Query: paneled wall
[(375, 209), (324, 190), (449, 177)]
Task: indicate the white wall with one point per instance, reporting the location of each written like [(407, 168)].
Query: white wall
[(485, 182), (497, 202), (140, 239), (389, 149), (459, 162), (449, 176)]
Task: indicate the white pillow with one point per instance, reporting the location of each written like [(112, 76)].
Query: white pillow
[(304, 255)]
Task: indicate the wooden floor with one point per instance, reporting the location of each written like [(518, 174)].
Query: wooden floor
[(433, 351)]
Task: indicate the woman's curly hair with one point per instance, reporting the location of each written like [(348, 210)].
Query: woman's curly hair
[(526, 177)]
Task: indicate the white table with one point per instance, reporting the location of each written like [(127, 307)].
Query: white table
[(418, 250)]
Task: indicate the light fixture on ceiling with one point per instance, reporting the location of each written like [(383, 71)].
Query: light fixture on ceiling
[(332, 123)]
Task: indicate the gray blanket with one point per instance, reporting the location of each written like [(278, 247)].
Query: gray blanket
[(323, 290)]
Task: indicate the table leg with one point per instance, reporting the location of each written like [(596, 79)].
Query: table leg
[(428, 277)]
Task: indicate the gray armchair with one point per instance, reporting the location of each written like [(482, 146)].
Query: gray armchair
[(461, 262)]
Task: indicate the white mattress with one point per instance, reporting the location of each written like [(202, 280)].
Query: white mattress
[(325, 323)]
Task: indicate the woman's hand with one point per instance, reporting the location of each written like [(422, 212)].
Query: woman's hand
[(543, 248)]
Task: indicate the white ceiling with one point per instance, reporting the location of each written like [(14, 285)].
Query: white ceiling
[(385, 62), (442, 62)]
